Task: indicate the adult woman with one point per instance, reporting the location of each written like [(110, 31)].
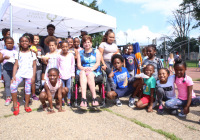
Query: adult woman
[(108, 48), (88, 62), (171, 62)]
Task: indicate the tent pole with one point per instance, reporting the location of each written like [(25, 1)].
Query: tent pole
[(11, 21)]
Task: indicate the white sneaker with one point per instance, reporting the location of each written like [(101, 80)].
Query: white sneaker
[(131, 102), (8, 101), (118, 102)]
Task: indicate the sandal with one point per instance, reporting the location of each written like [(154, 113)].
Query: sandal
[(85, 102), (94, 100), (28, 109), (17, 111)]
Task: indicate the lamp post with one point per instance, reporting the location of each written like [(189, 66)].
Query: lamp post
[(148, 40), (126, 34)]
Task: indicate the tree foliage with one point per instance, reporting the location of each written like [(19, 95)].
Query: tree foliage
[(193, 7)]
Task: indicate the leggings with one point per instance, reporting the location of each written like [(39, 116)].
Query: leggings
[(161, 95), (15, 84), (179, 104), (67, 83), (7, 74)]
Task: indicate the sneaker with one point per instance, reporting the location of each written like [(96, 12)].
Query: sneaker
[(131, 102), (8, 101), (174, 112), (160, 109), (181, 114), (34, 97), (118, 102)]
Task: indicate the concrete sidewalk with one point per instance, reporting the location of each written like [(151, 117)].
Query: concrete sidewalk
[(110, 123)]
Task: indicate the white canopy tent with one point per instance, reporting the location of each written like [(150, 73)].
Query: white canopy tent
[(33, 16)]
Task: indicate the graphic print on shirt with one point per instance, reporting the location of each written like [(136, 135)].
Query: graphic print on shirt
[(130, 60), (145, 88), (121, 77)]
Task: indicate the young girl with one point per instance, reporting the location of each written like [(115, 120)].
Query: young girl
[(24, 69), (66, 66), (50, 59), (171, 62), (186, 95), (71, 47), (53, 89), (77, 44), (152, 59), (120, 87), (148, 89), (130, 61), (165, 88), (7, 56)]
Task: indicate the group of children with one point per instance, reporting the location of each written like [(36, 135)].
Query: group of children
[(155, 85)]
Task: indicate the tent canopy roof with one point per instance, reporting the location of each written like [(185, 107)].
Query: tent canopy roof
[(68, 16)]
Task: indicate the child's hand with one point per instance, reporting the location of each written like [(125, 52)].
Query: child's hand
[(104, 67), (6, 57), (33, 51), (111, 75), (150, 109), (186, 110), (13, 79)]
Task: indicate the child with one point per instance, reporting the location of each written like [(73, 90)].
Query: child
[(38, 83), (66, 66), (53, 90), (50, 59), (171, 62), (120, 75), (198, 65), (144, 53), (130, 61), (165, 88), (186, 95), (71, 47), (152, 59), (77, 44), (148, 89), (24, 69), (7, 56)]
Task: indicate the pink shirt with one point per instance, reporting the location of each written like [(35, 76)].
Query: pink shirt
[(182, 87), (10, 53), (66, 66)]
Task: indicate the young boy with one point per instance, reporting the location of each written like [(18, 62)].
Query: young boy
[(148, 91), (120, 75), (36, 87), (130, 61)]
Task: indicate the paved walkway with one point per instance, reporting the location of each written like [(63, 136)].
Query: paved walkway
[(109, 123)]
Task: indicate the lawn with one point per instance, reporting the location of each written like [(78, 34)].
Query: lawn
[(189, 63)]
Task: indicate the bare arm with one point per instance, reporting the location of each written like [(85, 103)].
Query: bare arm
[(14, 70), (101, 50), (49, 97), (60, 97), (189, 99)]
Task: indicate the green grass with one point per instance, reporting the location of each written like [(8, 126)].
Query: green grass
[(192, 63), (166, 134)]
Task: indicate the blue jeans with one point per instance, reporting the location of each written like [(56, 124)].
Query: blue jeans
[(179, 104), (67, 83)]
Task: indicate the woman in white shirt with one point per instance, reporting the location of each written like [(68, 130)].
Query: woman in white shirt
[(108, 48)]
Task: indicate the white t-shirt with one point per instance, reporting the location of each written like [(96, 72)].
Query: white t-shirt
[(109, 50), (171, 61), (10, 53), (168, 87), (25, 62)]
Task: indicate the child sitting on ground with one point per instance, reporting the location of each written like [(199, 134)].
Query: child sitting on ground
[(66, 66), (148, 92), (186, 95), (7, 56), (130, 61), (120, 75), (165, 88), (53, 89)]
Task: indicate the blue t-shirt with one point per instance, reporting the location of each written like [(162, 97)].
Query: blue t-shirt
[(121, 78), (129, 59)]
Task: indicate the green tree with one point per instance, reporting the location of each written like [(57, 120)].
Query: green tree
[(193, 7)]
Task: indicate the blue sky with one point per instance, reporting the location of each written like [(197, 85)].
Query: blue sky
[(141, 18)]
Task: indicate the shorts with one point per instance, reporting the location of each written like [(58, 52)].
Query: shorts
[(171, 65), (122, 92), (145, 98)]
